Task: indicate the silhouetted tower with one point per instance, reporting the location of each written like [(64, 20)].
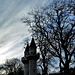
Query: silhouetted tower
[(30, 59), (26, 61)]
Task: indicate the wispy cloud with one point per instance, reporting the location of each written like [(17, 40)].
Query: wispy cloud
[(12, 30)]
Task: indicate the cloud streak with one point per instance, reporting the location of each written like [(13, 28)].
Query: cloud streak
[(12, 30)]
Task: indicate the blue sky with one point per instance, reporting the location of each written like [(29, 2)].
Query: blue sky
[(12, 30)]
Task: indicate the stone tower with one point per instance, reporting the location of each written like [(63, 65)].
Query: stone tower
[(30, 59)]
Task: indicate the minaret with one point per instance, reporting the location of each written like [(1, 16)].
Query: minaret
[(32, 58), (25, 61)]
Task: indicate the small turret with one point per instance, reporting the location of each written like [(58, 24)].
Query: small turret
[(26, 50), (24, 59)]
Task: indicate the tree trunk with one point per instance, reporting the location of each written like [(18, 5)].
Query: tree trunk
[(66, 68), (44, 66)]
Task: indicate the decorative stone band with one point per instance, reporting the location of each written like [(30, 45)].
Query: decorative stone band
[(31, 56), (24, 60)]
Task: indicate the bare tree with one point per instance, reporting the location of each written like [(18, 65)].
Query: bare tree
[(54, 30), (11, 66)]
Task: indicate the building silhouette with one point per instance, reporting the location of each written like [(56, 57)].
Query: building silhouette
[(30, 59)]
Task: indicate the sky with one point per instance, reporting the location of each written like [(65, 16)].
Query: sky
[(12, 30)]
